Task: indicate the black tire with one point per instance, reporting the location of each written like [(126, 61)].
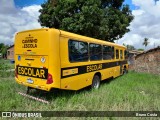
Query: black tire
[(125, 71), (95, 82), (28, 90)]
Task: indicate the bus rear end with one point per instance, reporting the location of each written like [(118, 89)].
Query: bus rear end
[(34, 63)]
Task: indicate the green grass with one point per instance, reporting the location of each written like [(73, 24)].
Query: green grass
[(131, 92), (7, 62), (5, 68)]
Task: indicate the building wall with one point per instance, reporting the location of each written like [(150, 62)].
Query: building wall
[(148, 62), (10, 53)]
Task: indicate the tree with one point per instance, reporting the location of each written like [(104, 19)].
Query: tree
[(146, 42), (103, 19), (1, 46), (140, 49), (3, 49), (129, 47)]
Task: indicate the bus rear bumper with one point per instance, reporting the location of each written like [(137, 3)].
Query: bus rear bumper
[(41, 87)]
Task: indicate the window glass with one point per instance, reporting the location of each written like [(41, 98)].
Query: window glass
[(8, 52), (78, 51), (108, 52), (117, 54), (95, 51), (121, 54)]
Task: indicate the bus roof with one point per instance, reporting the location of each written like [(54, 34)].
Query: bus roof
[(80, 37), (64, 33)]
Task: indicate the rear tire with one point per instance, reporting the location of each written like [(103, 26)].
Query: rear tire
[(28, 90), (125, 71), (95, 82)]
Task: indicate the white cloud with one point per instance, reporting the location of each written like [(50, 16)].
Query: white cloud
[(145, 24), (14, 19)]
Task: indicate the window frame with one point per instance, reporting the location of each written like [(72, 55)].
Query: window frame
[(112, 52), (101, 51), (8, 52), (121, 54), (116, 53), (78, 42)]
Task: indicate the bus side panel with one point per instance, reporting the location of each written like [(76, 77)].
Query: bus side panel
[(73, 82), (107, 73), (54, 58), (77, 82), (116, 71)]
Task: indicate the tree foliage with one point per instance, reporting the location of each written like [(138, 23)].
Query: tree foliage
[(129, 47), (145, 42), (103, 19), (140, 49), (3, 48)]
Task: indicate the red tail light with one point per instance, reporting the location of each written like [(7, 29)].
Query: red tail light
[(49, 79)]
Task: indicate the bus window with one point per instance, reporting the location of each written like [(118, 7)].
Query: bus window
[(117, 54), (112, 53), (121, 54), (78, 51), (108, 52), (95, 51)]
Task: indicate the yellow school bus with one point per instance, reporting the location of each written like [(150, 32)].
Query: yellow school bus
[(51, 58)]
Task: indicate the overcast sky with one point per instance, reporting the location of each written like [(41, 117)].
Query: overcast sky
[(18, 15), (146, 23)]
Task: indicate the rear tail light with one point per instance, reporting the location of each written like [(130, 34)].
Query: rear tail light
[(49, 79)]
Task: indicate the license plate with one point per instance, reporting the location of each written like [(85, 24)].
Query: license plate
[(30, 81)]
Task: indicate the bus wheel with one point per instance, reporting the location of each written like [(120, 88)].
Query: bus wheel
[(96, 82), (28, 90), (125, 71)]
